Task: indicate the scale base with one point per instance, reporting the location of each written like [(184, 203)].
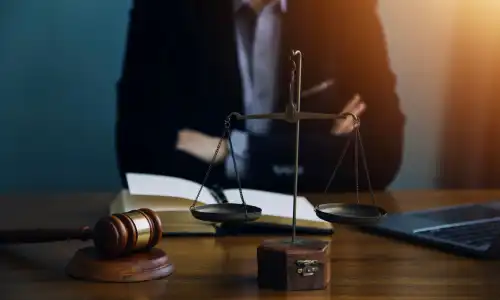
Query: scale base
[(137, 267), (299, 266)]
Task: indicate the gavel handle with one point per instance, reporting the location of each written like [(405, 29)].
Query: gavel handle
[(44, 235)]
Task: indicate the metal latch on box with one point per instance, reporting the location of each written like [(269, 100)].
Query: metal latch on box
[(307, 267)]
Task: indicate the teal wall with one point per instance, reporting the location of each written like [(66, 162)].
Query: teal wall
[(59, 61)]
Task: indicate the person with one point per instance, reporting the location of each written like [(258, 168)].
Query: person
[(189, 64)]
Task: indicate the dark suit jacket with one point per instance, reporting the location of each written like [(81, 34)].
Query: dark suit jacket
[(181, 71)]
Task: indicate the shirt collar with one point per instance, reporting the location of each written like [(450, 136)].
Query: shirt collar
[(238, 3)]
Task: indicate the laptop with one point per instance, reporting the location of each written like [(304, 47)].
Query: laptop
[(470, 229)]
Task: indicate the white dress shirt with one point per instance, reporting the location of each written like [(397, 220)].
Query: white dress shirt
[(258, 63)]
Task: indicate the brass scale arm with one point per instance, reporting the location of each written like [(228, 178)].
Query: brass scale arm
[(292, 114), (295, 117)]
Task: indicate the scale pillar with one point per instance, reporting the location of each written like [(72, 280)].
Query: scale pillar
[(294, 266)]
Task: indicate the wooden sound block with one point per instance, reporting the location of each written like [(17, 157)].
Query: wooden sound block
[(86, 264), (302, 265)]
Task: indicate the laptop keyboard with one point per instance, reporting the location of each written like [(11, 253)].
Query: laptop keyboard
[(472, 234)]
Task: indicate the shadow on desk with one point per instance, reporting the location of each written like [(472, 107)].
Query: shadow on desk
[(385, 199), (363, 266), (49, 274)]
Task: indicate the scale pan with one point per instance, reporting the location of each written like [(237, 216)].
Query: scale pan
[(226, 213), (349, 213)]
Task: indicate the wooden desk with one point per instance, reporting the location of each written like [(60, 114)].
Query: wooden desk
[(363, 266)]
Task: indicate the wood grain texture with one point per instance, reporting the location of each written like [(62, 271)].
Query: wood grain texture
[(363, 267), (147, 265), (279, 264)]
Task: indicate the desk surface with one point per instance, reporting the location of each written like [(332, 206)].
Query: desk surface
[(363, 266)]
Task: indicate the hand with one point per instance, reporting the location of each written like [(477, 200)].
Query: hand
[(201, 146), (343, 126)]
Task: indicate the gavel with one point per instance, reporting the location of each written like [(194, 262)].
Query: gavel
[(113, 236)]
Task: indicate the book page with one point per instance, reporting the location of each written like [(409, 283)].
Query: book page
[(158, 185), (274, 204), (126, 202)]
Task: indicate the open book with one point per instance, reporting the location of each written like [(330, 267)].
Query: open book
[(172, 197)]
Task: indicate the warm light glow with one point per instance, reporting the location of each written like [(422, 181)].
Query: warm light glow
[(472, 106), (481, 12)]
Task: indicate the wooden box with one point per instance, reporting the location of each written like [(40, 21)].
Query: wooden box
[(301, 265)]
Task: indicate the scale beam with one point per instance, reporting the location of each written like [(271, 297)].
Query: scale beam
[(295, 117)]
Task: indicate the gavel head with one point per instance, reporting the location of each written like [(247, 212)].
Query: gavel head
[(121, 234)]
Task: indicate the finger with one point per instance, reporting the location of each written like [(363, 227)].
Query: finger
[(357, 110), (351, 105), (348, 124), (187, 139), (181, 139)]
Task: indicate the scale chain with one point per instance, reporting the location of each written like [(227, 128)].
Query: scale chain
[(356, 164), (358, 150), (365, 165), (226, 132), (339, 162), (236, 172)]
